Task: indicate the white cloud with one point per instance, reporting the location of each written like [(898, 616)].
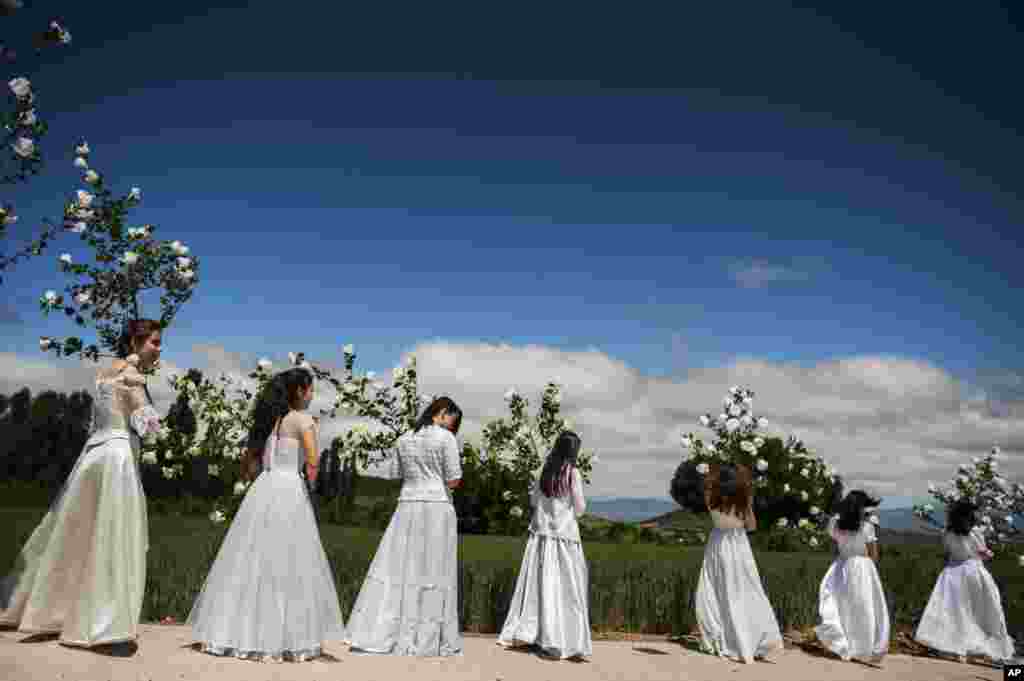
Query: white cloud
[(888, 422), (757, 273)]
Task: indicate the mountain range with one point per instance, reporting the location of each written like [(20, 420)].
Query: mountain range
[(640, 509)]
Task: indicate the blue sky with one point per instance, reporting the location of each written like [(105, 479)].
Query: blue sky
[(676, 193)]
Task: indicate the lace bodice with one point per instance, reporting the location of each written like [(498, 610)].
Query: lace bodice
[(556, 516), (426, 461), (283, 451), (122, 405), (852, 544), (961, 547)]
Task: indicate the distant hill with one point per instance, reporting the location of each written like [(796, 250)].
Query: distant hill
[(629, 509)]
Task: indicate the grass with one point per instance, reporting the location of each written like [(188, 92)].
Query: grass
[(638, 588)]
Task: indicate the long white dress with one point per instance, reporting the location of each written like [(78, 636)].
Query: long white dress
[(549, 606), (270, 594), (851, 603), (408, 604), (733, 613), (964, 615), (82, 573)]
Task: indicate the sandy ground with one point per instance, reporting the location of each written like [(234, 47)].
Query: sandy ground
[(165, 654)]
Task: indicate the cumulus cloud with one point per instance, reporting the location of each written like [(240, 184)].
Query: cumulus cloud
[(890, 423)]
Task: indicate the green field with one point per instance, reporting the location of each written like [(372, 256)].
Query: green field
[(639, 588)]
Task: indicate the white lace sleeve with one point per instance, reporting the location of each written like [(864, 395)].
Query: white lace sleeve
[(452, 458), (142, 415), (579, 501)]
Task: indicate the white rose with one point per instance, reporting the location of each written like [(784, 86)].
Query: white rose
[(65, 258), (785, 488), (806, 472), (734, 390), (84, 198), (731, 425), (130, 257), (803, 496), (813, 541), (995, 452), (21, 87), (184, 263), (135, 194), (213, 469), (746, 419), (28, 118), (748, 401), (78, 227), (748, 447), (705, 420), (1020, 561), (783, 522), (23, 146), (50, 297), (711, 449), (761, 422), (814, 510), (762, 465), (83, 297), (239, 488), (186, 274), (506, 495), (734, 410), (167, 472), (397, 374), (686, 441), (803, 522), (217, 516), (516, 512), (91, 176), (348, 349), (264, 364), (149, 457), (510, 393), (702, 468), (292, 358), (759, 442), (179, 248)]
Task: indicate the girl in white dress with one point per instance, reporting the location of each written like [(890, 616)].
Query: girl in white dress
[(733, 613), (964, 615), (851, 603), (408, 604), (549, 607), (82, 573), (270, 594)]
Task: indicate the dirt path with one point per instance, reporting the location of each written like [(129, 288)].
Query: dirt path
[(165, 654)]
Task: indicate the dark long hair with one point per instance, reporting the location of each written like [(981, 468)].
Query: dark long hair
[(729, 488), (275, 401), (556, 476), (687, 488), (436, 407), (851, 510), (134, 331), (961, 517)]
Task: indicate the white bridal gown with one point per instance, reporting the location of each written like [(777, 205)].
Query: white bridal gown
[(733, 613), (270, 594), (549, 607), (82, 573), (851, 604), (408, 604), (964, 615)]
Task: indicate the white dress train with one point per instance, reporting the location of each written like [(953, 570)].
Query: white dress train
[(733, 613), (270, 594), (854, 616), (82, 573), (964, 615), (549, 606), (408, 603)]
